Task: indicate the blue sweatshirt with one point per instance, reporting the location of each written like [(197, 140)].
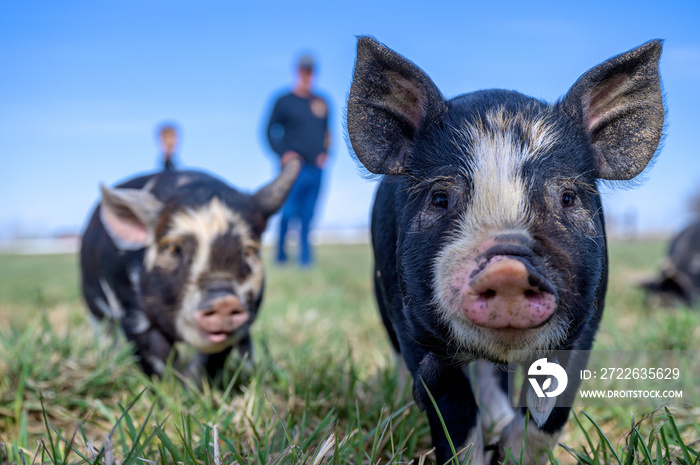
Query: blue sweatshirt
[(299, 124)]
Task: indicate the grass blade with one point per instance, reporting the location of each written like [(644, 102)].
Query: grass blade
[(442, 422), (645, 451), (677, 436), (603, 437)]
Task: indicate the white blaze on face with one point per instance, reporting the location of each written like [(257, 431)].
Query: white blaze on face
[(206, 224), (494, 151), (494, 162)]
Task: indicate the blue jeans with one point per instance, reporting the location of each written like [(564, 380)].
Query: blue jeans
[(300, 205)]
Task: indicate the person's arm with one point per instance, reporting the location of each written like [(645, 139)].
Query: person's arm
[(322, 157), (275, 130)]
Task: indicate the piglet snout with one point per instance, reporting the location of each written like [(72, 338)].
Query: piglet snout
[(220, 316), (508, 293)]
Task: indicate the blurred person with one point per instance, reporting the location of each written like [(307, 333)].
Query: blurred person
[(168, 139), (298, 128)]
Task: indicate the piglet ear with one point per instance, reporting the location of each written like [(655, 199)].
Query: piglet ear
[(129, 216), (271, 196), (620, 106), (390, 101)]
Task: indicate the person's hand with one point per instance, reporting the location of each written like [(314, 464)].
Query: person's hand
[(288, 156), (321, 159)]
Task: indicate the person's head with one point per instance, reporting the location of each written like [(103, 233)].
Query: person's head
[(167, 135), (306, 68)]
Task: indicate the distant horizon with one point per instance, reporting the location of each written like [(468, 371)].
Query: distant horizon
[(71, 245), (328, 232)]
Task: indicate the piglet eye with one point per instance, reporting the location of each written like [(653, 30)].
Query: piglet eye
[(441, 200), (567, 199), (175, 250)]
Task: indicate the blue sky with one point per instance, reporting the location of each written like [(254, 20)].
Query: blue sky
[(83, 85)]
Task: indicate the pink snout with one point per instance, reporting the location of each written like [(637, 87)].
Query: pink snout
[(221, 317), (507, 294)]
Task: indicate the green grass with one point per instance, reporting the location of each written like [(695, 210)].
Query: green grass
[(323, 390)]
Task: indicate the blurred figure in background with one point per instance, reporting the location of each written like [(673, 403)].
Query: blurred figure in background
[(168, 139), (298, 128)]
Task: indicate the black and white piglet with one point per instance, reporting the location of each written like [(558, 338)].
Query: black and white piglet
[(488, 231), (175, 256)]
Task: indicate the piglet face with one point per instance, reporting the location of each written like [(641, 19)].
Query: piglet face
[(508, 220), (204, 276)]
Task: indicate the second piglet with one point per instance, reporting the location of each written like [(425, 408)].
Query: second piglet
[(176, 257)]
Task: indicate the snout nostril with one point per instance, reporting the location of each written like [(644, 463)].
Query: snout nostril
[(488, 294), (530, 293)]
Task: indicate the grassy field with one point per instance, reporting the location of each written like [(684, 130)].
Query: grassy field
[(323, 390)]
